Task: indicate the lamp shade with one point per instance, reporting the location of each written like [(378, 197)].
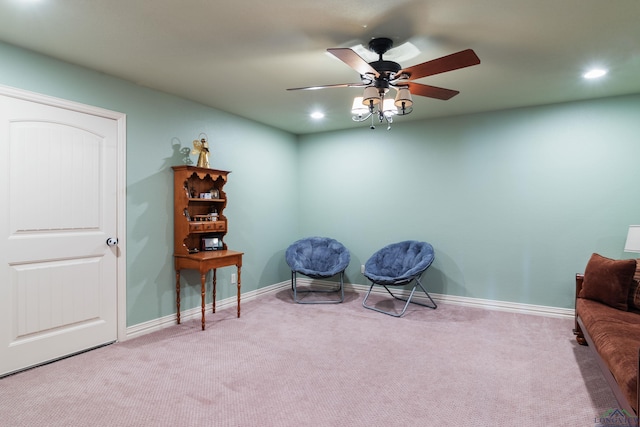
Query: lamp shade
[(371, 96), (403, 101), (403, 96), (633, 239)]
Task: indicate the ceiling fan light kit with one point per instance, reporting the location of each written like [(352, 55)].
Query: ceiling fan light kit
[(373, 105), (377, 77)]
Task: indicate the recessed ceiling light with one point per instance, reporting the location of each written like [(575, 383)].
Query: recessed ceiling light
[(595, 73), (317, 115)]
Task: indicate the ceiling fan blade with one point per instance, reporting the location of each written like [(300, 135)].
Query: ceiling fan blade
[(353, 60), (431, 91), (455, 61), (328, 86)]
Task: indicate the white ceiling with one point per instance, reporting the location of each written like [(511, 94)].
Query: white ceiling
[(240, 56)]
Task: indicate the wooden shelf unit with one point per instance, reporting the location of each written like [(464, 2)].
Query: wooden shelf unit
[(188, 183), (194, 221)]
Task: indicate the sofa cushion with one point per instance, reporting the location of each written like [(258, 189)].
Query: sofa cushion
[(608, 281), (616, 337)]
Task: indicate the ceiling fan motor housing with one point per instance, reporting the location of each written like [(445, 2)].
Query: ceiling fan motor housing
[(386, 69)]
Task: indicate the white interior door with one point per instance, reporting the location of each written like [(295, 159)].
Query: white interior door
[(58, 276)]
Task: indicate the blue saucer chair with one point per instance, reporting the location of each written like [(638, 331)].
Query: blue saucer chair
[(317, 258), (399, 264)]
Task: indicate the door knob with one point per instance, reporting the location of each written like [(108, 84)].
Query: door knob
[(112, 241)]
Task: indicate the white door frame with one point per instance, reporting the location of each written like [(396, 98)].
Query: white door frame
[(121, 185)]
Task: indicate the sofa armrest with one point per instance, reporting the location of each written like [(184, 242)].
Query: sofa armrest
[(579, 281), (576, 328)]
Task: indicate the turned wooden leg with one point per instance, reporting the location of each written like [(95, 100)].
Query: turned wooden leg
[(178, 295), (214, 291), (579, 335), (239, 272), (203, 277)]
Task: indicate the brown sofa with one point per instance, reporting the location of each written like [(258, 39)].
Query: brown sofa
[(607, 319)]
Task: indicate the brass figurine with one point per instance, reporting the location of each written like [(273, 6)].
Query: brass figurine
[(201, 148)]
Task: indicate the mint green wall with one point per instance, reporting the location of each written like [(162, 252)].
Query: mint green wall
[(261, 188), (514, 202)]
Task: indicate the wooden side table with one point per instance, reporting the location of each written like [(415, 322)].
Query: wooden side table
[(203, 262)]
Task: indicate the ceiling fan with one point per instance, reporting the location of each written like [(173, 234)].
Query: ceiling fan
[(378, 76)]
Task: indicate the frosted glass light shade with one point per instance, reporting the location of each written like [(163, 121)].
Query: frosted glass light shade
[(358, 107), (388, 108)]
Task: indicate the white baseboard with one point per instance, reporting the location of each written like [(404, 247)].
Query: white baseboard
[(194, 313), (539, 310)]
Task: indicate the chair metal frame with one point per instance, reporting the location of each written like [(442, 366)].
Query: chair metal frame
[(296, 291), (407, 300)]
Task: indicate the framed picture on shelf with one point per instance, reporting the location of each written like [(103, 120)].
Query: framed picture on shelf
[(211, 243)]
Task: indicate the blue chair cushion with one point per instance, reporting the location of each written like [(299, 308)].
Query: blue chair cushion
[(317, 257), (398, 263)]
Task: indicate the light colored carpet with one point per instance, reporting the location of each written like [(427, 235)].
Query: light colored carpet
[(284, 364)]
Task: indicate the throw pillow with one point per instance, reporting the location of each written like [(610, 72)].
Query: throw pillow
[(634, 290), (634, 296), (608, 281)]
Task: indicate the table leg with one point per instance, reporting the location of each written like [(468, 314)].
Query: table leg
[(239, 273), (178, 295), (214, 291), (203, 277)]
